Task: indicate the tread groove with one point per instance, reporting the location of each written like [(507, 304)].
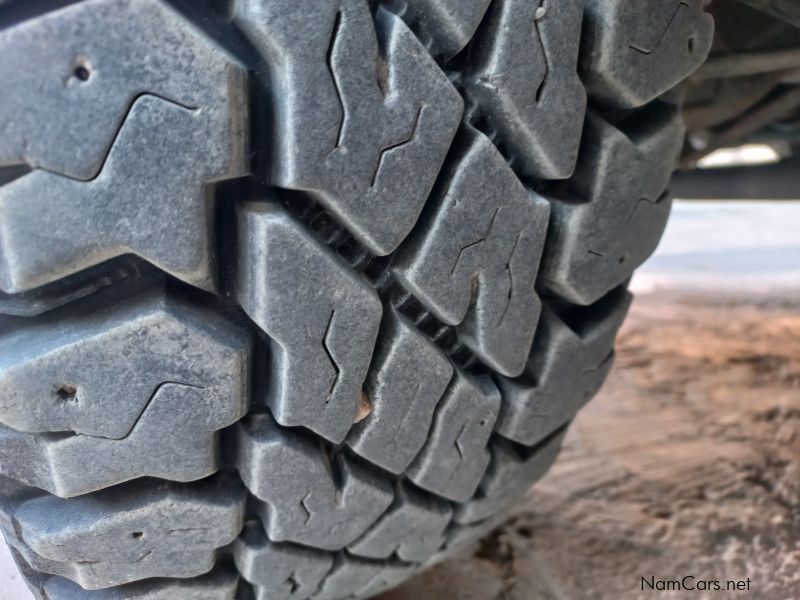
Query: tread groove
[(681, 5), (398, 145), (335, 79), (334, 364)]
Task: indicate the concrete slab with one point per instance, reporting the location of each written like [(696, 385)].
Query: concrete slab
[(750, 248)]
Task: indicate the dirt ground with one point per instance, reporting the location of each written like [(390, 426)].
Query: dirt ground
[(686, 464)]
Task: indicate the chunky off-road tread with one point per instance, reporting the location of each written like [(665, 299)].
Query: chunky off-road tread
[(307, 497), (297, 298), (279, 571), (552, 390), (131, 532), (406, 380), (474, 261), (619, 204), (522, 77), (635, 51), (359, 105), (220, 584), (444, 26), (510, 473), (72, 425), (319, 368), (120, 152), (455, 456), (412, 528), (354, 578)]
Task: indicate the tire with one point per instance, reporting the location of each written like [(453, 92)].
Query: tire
[(299, 297)]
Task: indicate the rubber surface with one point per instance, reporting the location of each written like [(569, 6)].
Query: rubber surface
[(296, 299)]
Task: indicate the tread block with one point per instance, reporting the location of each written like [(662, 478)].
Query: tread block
[(133, 532), (508, 476), (123, 129), (279, 571), (413, 529), (474, 262), (407, 378), (307, 498), (220, 584), (74, 425), (595, 244), (359, 111), (167, 442), (339, 312), (552, 390), (636, 51), (445, 26), (354, 578), (455, 456), (523, 77), (59, 379)]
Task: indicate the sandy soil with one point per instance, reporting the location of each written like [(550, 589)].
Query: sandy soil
[(687, 463)]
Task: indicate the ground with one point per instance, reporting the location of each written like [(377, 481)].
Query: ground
[(686, 464)]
